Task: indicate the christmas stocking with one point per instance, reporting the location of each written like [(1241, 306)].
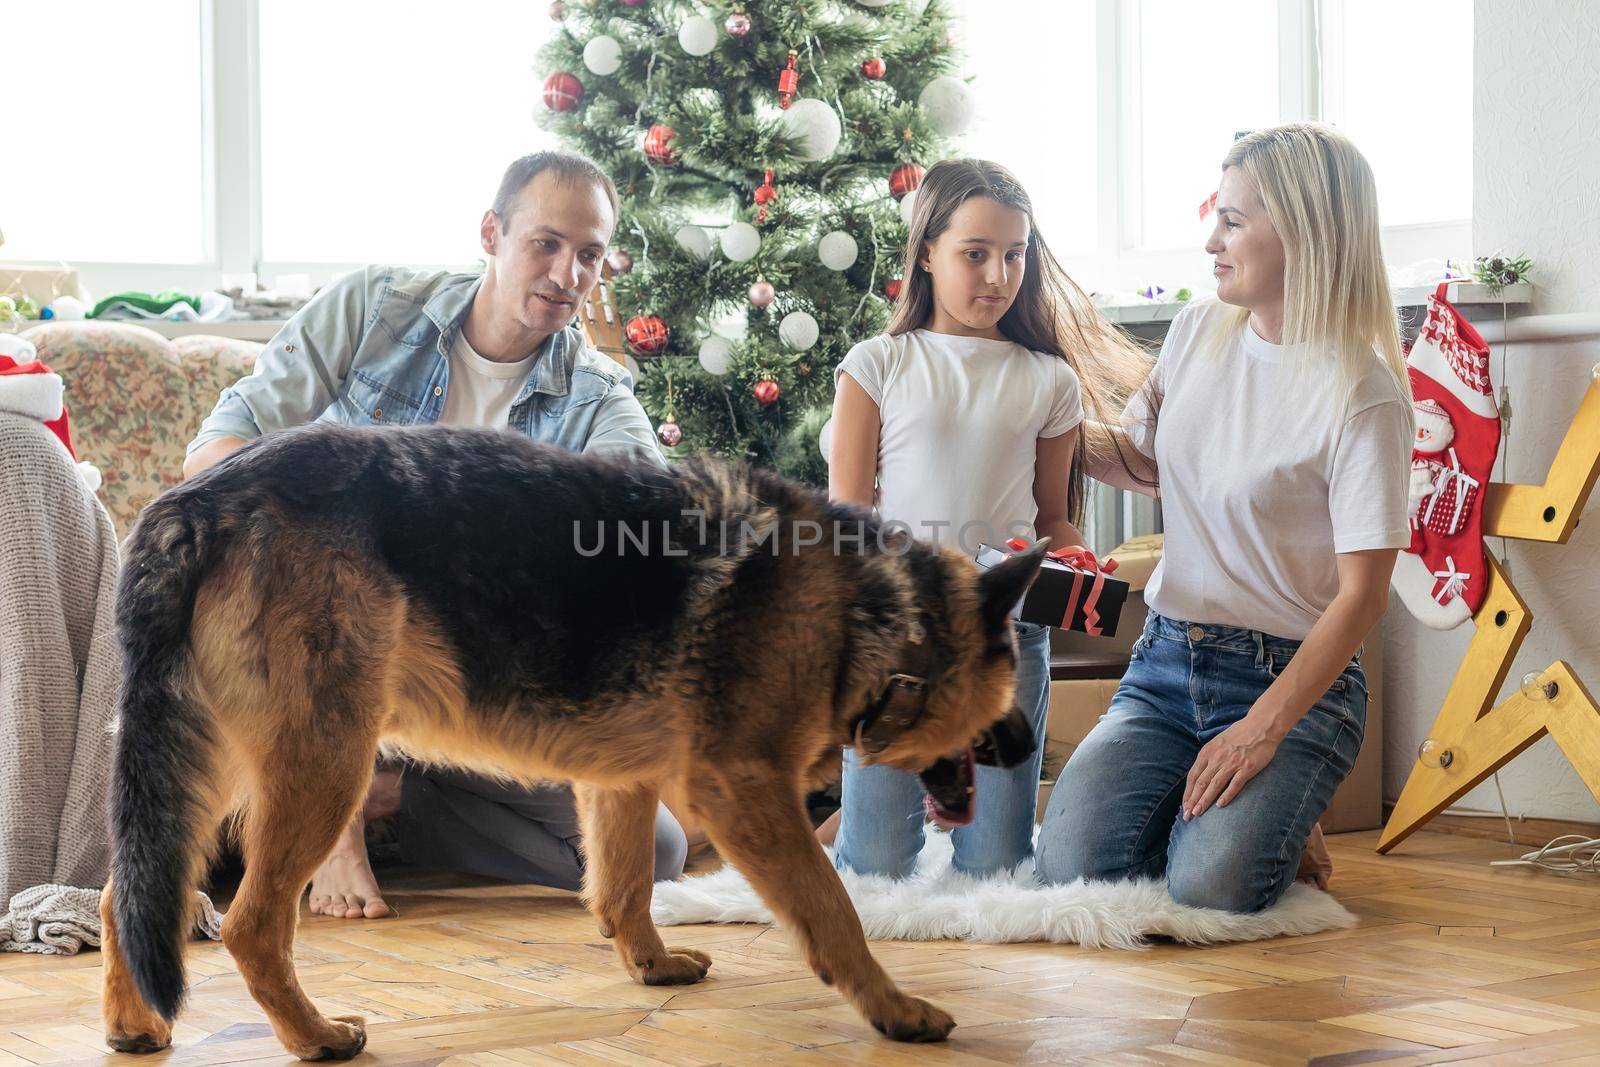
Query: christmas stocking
[(1441, 576)]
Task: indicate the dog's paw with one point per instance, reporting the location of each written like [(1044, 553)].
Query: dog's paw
[(141, 1042), (132, 1027), (345, 1038), (680, 966), (910, 1019)]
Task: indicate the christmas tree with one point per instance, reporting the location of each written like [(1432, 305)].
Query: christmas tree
[(767, 155)]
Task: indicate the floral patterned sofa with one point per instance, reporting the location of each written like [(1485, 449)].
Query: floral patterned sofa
[(135, 400)]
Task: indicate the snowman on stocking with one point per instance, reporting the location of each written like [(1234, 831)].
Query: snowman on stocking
[(1441, 576)]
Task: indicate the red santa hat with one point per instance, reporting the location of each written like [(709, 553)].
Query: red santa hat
[(28, 387)]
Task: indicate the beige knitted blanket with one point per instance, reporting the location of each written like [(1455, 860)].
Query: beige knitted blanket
[(58, 664), (59, 671)]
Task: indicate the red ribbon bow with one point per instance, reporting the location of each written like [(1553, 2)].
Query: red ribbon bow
[(1082, 562)]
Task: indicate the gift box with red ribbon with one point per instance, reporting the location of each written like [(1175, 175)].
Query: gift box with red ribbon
[(1074, 591)]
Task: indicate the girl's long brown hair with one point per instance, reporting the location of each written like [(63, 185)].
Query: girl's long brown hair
[(1050, 314)]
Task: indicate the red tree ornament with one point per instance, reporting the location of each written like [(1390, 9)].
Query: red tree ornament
[(670, 433), (874, 68), (562, 92), (904, 178), (891, 289), (767, 391), (647, 335), (658, 147), (788, 81), (738, 24), (766, 194)]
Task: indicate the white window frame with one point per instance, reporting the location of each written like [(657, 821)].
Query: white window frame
[(233, 187)]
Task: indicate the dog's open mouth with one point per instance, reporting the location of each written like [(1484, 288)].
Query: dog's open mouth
[(951, 797)]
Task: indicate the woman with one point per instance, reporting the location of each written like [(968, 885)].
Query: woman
[(1278, 424)]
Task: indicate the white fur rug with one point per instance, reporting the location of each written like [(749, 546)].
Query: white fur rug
[(938, 904)]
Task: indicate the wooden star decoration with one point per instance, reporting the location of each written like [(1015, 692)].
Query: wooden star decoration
[(1470, 740)]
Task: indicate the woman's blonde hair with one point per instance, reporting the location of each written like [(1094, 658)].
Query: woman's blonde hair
[(1320, 197), (1050, 314)]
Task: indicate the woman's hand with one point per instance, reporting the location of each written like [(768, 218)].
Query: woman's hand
[(1227, 762)]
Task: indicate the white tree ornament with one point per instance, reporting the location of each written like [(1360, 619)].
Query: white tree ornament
[(950, 105), (602, 55), (697, 35), (740, 242), (816, 126), (837, 250), (716, 355), (694, 240), (798, 330)]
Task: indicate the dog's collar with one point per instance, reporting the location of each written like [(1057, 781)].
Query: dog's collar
[(896, 707)]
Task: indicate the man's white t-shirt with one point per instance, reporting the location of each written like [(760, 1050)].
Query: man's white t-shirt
[(1264, 479), (481, 391), (960, 422)]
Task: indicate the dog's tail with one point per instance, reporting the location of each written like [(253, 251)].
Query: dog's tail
[(164, 769)]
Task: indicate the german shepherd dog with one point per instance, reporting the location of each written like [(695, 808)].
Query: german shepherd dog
[(471, 597)]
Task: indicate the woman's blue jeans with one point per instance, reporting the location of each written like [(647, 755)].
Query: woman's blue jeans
[(1115, 812)]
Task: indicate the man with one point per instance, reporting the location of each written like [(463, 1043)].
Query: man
[(391, 346)]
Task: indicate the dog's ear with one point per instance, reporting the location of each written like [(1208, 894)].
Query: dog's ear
[(1002, 585)]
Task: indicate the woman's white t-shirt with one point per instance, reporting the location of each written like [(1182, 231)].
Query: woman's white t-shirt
[(1264, 478), (961, 418)]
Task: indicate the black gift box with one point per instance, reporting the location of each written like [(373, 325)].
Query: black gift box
[(1061, 595)]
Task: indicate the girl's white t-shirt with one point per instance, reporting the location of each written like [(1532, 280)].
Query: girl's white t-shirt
[(960, 422), (1264, 479), (481, 391)]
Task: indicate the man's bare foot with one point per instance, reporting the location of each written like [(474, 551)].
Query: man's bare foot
[(344, 887)]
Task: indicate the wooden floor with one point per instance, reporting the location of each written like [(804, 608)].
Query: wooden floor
[(1452, 962)]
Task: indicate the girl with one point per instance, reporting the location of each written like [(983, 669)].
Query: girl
[(1278, 419), (962, 422)]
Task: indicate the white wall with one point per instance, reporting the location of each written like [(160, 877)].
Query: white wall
[(1536, 176)]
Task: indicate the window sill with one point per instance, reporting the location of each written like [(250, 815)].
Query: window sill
[(235, 330)]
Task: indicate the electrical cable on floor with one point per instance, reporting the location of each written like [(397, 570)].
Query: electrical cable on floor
[(1581, 855)]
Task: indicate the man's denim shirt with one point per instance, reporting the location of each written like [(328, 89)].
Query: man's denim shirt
[(372, 349)]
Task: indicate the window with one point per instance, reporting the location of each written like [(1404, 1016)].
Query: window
[(1037, 111), (1204, 73), (1398, 79), (305, 136), (385, 126), (116, 168)]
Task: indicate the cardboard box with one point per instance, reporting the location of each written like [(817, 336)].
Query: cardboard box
[(1137, 559), (1075, 706), (40, 282)]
